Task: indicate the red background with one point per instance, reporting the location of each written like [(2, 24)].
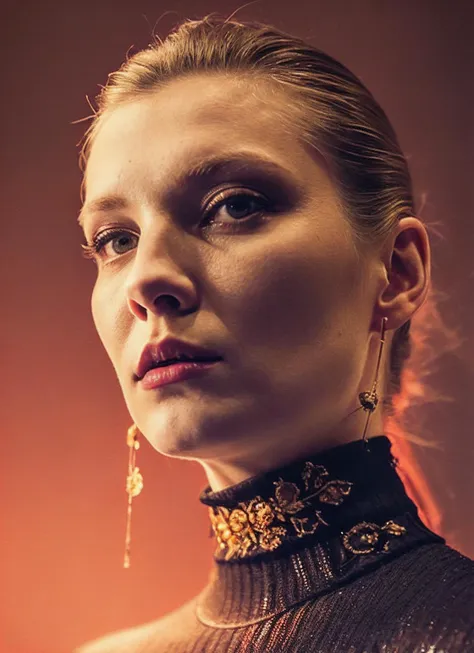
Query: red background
[(63, 418)]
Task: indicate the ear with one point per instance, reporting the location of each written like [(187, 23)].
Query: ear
[(406, 258)]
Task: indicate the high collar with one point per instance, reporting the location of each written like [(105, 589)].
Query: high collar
[(294, 532)]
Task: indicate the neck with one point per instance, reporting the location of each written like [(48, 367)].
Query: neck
[(259, 455)]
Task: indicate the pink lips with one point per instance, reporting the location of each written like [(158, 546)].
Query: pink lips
[(181, 371), (169, 348)]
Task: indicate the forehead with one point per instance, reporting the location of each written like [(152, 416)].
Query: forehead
[(155, 137)]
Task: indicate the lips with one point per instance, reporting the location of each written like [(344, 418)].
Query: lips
[(174, 361), (169, 351), (176, 372)]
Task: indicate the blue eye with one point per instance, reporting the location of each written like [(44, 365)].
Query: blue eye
[(237, 202), (101, 240)]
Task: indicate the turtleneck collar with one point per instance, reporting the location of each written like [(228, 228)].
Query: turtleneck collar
[(297, 531)]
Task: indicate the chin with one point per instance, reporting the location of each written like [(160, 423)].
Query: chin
[(189, 434)]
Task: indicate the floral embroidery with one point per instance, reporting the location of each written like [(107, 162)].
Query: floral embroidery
[(260, 525), (367, 537)]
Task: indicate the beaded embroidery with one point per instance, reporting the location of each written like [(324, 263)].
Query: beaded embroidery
[(260, 525), (367, 537)]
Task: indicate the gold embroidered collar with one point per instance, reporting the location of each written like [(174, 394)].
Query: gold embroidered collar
[(300, 500)]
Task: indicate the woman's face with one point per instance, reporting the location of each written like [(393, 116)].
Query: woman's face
[(274, 283)]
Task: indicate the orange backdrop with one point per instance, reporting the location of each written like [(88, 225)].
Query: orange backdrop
[(63, 419)]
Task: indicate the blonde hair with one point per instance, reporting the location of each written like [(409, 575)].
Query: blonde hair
[(336, 115)]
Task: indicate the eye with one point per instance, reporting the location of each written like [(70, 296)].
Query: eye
[(237, 204), (101, 240)]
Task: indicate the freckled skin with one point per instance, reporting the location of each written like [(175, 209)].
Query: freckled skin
[(292, 305)]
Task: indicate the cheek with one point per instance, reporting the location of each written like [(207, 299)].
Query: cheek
[(287, 290), (105, 314), (302, 300), (97, 305)]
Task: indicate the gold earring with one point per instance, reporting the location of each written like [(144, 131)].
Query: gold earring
[(369, 400), (134, 485)]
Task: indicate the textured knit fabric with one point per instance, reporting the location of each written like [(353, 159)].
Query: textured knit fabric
[(324, 555)]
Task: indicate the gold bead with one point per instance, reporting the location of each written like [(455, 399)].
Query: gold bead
[(135, 482), (132, 434)]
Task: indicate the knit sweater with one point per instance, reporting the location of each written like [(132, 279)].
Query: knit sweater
[(327, 555)]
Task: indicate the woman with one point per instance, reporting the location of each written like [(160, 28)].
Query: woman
[(270, 217)]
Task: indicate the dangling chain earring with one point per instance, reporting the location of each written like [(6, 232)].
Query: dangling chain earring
[(134, 485), (369, 400)]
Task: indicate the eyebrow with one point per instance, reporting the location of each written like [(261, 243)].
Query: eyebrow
[(205, 168)]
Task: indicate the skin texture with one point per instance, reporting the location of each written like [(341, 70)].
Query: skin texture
[(290, 303)]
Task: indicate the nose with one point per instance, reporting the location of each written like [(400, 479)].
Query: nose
[(158, 283)]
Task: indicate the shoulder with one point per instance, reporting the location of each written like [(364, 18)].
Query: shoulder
[(434, 577), (442, 567), (119, 642), (431, 602), (135, 639), (422, 600), (447, 579)]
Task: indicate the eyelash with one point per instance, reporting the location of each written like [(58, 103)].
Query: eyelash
[(99, 242)]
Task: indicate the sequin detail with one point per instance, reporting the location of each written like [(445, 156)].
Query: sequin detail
[(262, 525), (367, 537)]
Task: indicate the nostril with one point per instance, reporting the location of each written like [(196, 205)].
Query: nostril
[(168, 301)]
